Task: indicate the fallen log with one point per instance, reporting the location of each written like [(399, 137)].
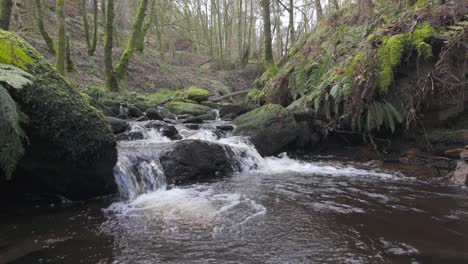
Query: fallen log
[(221, 98)]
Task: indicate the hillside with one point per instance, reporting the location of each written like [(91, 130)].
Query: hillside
[(147, 72), (405, 67)]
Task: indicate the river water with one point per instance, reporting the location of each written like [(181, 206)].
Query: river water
[(272, 210)]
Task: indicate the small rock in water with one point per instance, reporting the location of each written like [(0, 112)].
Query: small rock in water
[(171, 133), (184, 116), (207, 117), (156, 124), (453, 153), (118, 125), (192, 126), (459, 176), (170, 121), (141, 119), (374, 164), (153, 114), (225, 127), (193, 120), (464, 155), (129, 136), (134, 111)]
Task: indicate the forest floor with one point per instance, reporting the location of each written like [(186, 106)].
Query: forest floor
[(147, 72)]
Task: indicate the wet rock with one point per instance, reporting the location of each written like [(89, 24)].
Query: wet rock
[(270, 128), (153, 114), (118, 125), (171, 133), (166, 130), (460, 175), (180, 108), (156, 124), (170, 121), (134, 111), (192, 126), (166, 114), (197, 94), (130, 136), (207, 117), (184, 116), (193, 120), (453, 153), (235, 109), (141, 119), (192, 161), (374, 164), (464, 155), (123, 116), (229, 117), (225, 127)]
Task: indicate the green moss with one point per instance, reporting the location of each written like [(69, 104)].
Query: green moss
[(262, 115), (197, 94), (390, 53), (63, 125), (180, 108), (255, 97), (353, 62), (14, 55), (447, 136)]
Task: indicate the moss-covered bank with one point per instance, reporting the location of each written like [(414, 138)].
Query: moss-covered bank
[(71, 149), (376, 76)]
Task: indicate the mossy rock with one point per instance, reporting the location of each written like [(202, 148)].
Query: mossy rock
[(271, 128), (71, 148), (197, 94), (210, 104), (181, 108)]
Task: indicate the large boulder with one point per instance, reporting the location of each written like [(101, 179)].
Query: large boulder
[(271, 128), (191, 161), (181, 108), (197, 94), (71, 150)]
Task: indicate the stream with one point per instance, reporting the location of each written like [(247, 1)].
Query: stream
[(270, 210)]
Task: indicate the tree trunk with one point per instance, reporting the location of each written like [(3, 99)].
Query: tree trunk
[(5, 14), (69, 61), (91, 43), (61, 38), (319, 10), (40, 23), (267, 32), (111, 82), (122, 67), (292, 30), (366, 9)]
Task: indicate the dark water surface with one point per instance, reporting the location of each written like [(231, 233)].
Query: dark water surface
[(340, 216)]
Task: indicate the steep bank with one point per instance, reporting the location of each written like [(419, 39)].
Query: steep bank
[(404, 67), (70, 149)]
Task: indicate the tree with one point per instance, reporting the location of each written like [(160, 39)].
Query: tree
[(91, 43), (42, 29), (365, 9), (319, 10), (60, 59), (5, 14), (121, 70), (111, 82), (267, 32)]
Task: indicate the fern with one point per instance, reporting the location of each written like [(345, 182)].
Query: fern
[(11, 133), (382, 115)]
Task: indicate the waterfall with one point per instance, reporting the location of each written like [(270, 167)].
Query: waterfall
[(139, 171), (135, 176)]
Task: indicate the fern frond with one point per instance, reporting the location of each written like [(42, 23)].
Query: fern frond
[(14, 77)]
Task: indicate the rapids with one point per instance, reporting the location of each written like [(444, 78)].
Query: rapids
[(270, 210)]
